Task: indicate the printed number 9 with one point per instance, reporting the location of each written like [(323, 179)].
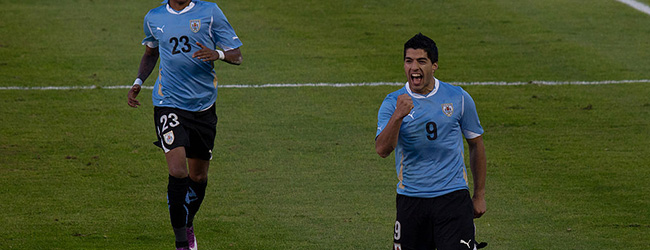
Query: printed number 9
[(432, 131), (398, 230)]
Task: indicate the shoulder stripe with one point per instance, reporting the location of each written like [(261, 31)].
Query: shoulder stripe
[(151, 31), (462, 106), (210, 26)]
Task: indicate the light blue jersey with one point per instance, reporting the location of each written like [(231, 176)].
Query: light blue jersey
[(429, 153), (185, 82)]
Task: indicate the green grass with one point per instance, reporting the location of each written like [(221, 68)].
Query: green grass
[(295, 168), (98, 42), (302, 173), (569, 164)]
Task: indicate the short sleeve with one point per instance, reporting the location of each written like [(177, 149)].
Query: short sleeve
[(222, 32), (385, 112), (149, 40), (469, 122)]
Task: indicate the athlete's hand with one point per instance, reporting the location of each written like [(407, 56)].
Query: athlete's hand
[(479, 206), (205, 53), (404, 105), (133, 93)]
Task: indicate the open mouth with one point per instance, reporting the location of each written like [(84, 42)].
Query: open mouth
[(416, 78)]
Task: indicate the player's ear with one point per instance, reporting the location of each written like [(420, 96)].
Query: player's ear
[(435, 66)]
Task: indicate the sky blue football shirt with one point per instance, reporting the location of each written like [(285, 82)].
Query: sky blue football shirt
[(185, 82), (429, 153)]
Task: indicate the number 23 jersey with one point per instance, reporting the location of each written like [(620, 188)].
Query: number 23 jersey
[(185, 82), (429, 153)]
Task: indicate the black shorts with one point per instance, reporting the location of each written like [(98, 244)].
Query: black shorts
[(443, 223), (180, 128)]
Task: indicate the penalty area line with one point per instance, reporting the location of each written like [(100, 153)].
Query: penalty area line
[(341, 85)]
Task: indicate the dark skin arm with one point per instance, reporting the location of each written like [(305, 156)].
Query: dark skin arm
[(147, 63), (387, 140), (477, 163), (206, 54), (150, 57)]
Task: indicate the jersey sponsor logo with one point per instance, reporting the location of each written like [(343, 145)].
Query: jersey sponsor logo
[(195, 25), (448, 109), (169, 137)]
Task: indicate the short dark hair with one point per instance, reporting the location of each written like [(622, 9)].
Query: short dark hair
[(420, 41)]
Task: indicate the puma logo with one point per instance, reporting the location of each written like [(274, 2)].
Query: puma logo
[(411, 115), (466, 242), (161, 29)]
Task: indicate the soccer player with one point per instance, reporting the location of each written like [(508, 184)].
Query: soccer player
[(424, 123), (185, 35)]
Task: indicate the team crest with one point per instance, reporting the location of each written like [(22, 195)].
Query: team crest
[(195, 25), (169, 137), (448, 109)]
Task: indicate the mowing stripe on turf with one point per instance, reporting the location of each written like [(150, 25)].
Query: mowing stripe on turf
[(340, 85), (637, 5)]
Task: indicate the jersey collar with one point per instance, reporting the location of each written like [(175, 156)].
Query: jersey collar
[(419, 96), (188, 8)]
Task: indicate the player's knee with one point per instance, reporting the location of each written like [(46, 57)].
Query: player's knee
[(178, 172), (199, 177)]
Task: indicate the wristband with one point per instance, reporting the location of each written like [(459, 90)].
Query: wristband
[(137, 82), (221, 54)]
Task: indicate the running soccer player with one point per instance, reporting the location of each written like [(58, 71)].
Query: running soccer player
[(424, 123), (188, 36)]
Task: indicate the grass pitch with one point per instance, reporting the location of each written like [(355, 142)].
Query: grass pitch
[(565, 166), (295, 167)]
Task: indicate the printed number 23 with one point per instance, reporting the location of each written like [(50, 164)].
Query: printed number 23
[(432, 131), (173, 121), (186, 44)]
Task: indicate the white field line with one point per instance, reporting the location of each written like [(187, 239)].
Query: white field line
[(632, 3), (340, 85), (637, 5)]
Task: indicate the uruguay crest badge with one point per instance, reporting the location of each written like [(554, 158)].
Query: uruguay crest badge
[(169, 137), (195, 25), (448, 109)]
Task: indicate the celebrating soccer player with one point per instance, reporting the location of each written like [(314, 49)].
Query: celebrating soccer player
[(424, 123), (188, 36)]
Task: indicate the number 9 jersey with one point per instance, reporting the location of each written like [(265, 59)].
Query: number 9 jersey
[(184, 82), (429, 152)]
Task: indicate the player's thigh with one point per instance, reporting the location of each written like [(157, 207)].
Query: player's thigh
[(413, 228), (170, 128), (454, 224), (176, 162), (202, 130)]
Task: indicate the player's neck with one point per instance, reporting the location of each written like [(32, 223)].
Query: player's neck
[(179, 5), (426, 89)]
